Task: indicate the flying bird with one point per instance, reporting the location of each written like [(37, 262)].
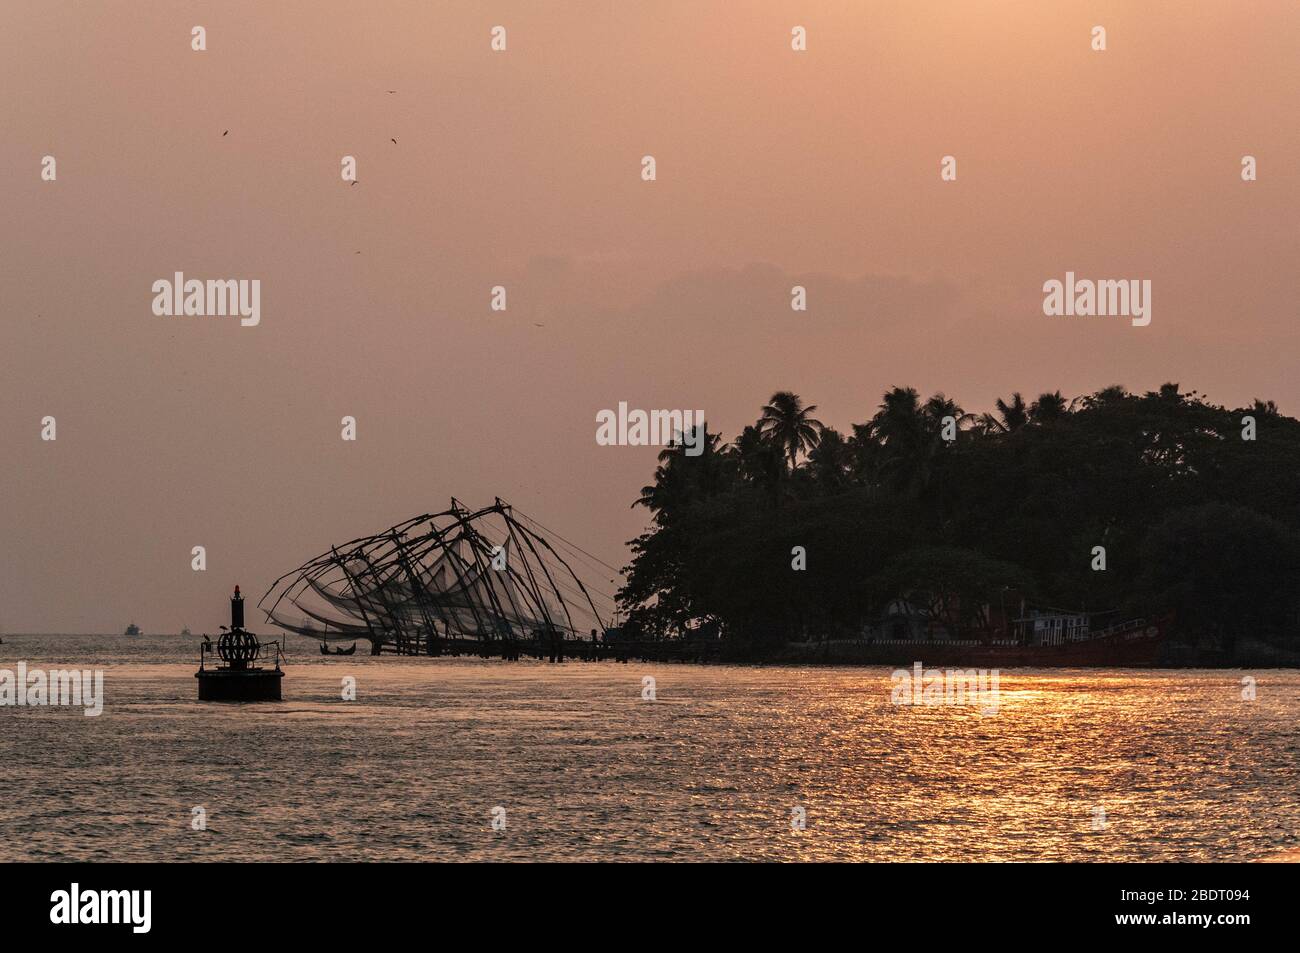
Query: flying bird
[(226, 133), (394, 142)]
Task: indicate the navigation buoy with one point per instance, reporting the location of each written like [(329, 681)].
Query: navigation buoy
[(235, 676)]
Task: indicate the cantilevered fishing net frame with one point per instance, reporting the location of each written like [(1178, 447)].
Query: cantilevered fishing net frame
[(440, 576)]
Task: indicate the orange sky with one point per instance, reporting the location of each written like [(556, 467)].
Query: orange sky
[(521, 168)]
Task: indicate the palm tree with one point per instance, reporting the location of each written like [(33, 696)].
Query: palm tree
[(940, 406), (1011, 416), (681, 478), (904, 433), (790, 425), (831, 460), (1107, 395), (666, 493), (865, 454), (757, 460), (897, 423), (709, 469), (1048, 407)]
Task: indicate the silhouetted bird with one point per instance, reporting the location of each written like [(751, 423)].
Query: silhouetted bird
[(226, 133), (394, 142)]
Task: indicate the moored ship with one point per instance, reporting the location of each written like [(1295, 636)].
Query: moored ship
[(1036, 639)]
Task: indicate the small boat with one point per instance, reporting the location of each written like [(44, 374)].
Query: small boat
[(132, 629), (326, 650), (185, 631)]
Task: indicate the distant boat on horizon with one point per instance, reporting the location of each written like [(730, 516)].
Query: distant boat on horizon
[(132, 629), (185, 630)]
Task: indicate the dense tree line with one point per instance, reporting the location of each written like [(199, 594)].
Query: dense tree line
[(927, 500)]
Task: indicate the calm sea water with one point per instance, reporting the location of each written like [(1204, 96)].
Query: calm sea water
[(586, 769)]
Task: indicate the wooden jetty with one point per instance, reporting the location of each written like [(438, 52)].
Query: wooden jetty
[(556, 650)]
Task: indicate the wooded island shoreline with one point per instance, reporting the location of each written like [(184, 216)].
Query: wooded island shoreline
[(1038, 525)]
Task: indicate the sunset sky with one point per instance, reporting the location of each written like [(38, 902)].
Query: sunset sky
[(522, 169)]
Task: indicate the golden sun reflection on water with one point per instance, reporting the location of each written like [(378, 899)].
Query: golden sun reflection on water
[(1182, 767)]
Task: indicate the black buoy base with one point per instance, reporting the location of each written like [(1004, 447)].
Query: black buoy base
[(248, 685)]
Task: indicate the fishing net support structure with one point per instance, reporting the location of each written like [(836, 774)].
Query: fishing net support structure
[(459, 581)]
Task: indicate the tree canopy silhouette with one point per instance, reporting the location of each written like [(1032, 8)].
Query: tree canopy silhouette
[(1193, 515)]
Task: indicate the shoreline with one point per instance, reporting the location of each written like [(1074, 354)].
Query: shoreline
[(1250, 654), (1173, 656)]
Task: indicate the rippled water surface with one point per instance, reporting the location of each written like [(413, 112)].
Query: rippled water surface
[(585, 769)]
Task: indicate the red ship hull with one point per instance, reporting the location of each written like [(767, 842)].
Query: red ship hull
[(1134, 648)]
